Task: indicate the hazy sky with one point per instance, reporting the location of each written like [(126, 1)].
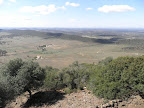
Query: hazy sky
[(72, 13)]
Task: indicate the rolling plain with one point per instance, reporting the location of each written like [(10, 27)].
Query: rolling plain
[(61, 47)]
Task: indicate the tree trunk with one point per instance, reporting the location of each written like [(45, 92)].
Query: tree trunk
[(30, 93)]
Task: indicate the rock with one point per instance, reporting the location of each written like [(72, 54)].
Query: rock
[(115, 105), (123, 105), (112, 103), (97, 107), (119, 100)]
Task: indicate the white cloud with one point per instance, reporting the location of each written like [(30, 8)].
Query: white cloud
[(1, 1), (115, 8), (12, 0), (14, 21), (43, 10), (72, 4), (89, 8), (73, 20), (63, 8)]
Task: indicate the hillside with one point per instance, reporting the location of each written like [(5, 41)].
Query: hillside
[(81, 99)]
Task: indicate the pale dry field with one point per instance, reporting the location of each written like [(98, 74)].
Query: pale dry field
[(60, 53)]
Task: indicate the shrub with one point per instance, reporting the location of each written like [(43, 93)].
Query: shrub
[(106, 61), (75, 76), (120, 78), (52, 78)]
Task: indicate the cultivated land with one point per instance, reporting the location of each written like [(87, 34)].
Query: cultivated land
[(61, 47)]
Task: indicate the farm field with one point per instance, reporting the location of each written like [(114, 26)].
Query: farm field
[(62, 49)]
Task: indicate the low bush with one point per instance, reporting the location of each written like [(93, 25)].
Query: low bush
[(52, 78), (75, 76), (120, 78), (109, 79)]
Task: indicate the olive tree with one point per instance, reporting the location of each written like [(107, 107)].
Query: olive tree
[(21, 76)]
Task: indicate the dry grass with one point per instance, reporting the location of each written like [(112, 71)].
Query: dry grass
[(62, 52)]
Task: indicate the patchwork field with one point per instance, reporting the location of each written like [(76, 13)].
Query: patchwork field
[(60, 52)]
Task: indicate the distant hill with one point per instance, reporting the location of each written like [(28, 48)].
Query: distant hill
[(1, 30), (59, 35)]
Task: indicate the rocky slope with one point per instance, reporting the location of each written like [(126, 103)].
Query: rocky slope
[(81, 99)]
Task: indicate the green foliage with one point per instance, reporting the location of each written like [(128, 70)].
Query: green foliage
[(109, 79), (11, 68), (119, 78), (71, 78), (18, 76), (106, 61), (68, 90), (2, 96), (32, 74), (52, 78), (75, 76)]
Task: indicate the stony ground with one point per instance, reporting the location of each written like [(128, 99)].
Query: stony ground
[(81, 99)]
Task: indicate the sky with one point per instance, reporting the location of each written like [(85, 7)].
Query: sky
[(72, 13)]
